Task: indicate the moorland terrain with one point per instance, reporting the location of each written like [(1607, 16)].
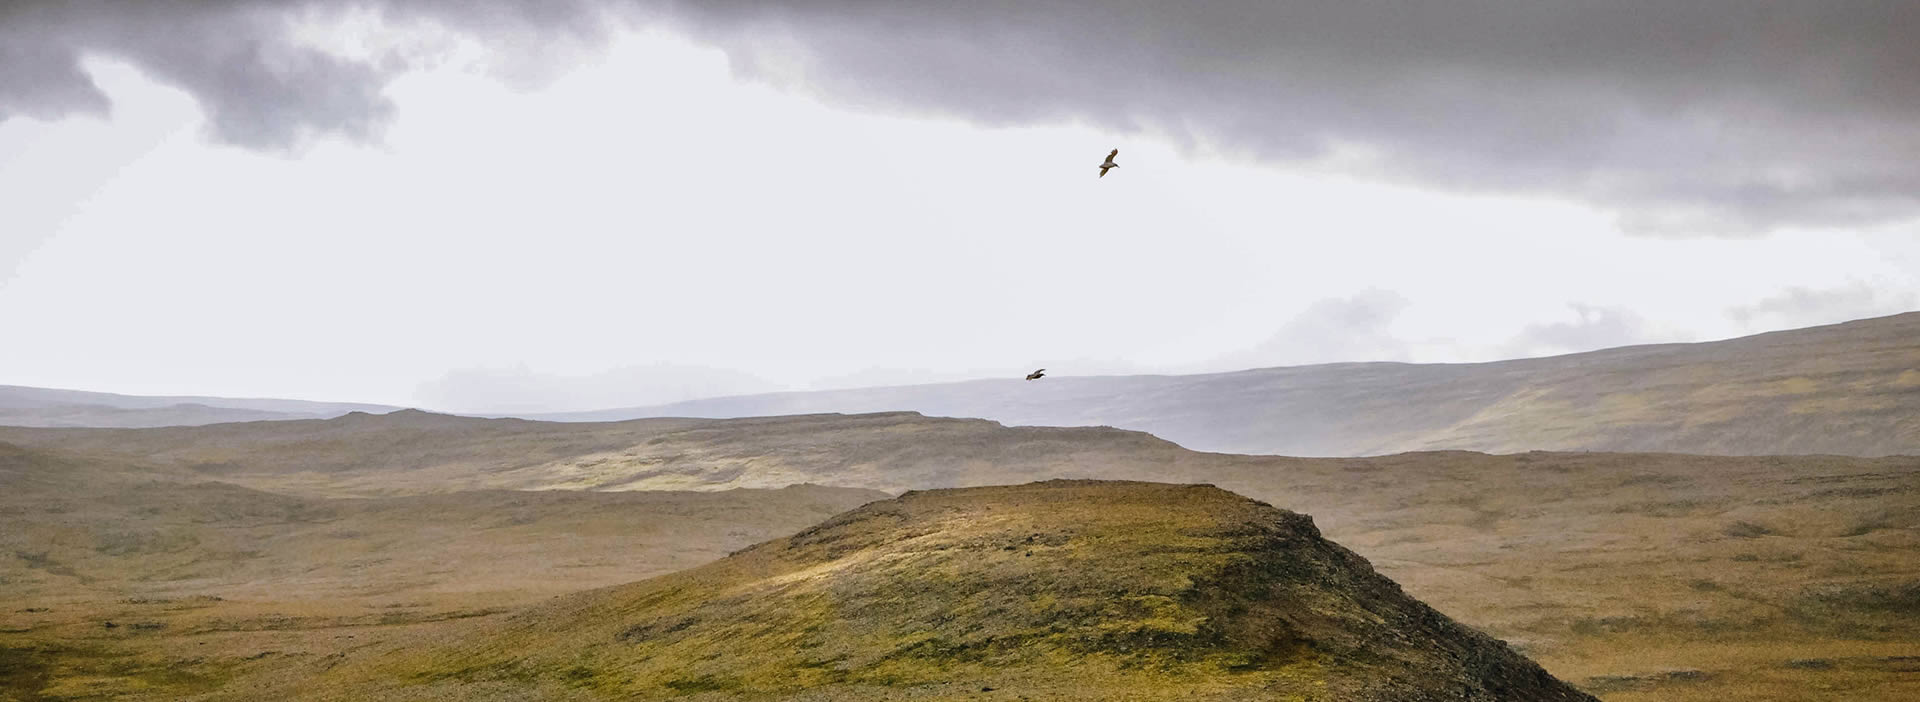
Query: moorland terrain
[(228, 555)]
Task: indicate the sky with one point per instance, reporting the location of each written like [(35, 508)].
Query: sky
[(508, 205)]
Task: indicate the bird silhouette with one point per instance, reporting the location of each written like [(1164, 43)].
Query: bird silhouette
[(1036, 375), (1109, 163)]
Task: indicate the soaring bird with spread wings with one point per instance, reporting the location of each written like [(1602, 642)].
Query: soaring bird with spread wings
[(1036, 375), (1109, 163)]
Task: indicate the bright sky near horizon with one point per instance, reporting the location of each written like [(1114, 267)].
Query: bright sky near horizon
[(646, 221)]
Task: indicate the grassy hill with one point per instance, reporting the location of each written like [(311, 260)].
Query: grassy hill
[(1066, 589), (1844, 389)]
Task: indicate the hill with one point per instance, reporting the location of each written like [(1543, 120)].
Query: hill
[(45, 407), (1082, 590), (1844, 389), (414, 452)]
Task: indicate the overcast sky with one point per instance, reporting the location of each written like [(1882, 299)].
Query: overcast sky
[(515, 205)]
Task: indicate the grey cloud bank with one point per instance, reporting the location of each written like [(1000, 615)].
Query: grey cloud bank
[(242, 60), (1712, 117), (1698, 117), (258, 88)]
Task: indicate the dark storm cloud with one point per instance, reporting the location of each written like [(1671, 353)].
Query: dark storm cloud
[(259, 86), (1698, 117), (1705, 116), (258, 89), (45, 81)]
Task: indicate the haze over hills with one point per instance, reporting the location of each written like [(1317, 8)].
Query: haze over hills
[(1086, 590), (1845, 389), (46, 407)]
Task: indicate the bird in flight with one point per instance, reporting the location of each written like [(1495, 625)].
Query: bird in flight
[(1109, 163), (1036, 375)]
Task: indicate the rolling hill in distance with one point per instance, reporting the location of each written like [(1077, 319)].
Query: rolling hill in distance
[(1846, 389), (1843, 389), (45, 407)]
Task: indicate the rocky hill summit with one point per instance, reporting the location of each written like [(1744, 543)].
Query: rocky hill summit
[(1062, 589)]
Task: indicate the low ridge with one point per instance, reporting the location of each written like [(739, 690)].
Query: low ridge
[(1847, 389), (1054, 590)]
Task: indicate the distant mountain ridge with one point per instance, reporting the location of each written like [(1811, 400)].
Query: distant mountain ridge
[(48, 407), (1845, 389)]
